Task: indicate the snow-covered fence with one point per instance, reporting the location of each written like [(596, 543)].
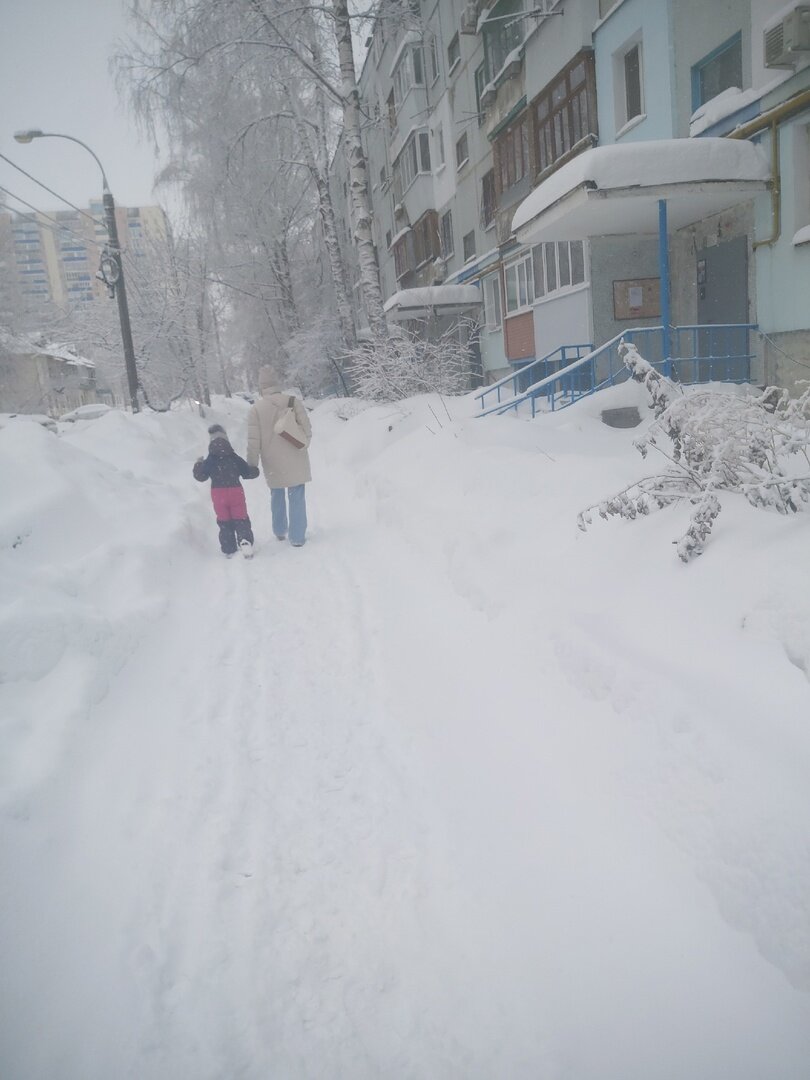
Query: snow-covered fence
[(715, 441)]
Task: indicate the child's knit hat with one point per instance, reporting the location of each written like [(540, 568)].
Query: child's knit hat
[(217, 431)]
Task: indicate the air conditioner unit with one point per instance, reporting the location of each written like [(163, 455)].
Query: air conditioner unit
[(469, 19), (787, 41)]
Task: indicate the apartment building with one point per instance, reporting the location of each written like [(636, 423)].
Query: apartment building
[(53, 257), (472, 109)]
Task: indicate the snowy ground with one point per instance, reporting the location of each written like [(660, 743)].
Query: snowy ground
[(454, 791)]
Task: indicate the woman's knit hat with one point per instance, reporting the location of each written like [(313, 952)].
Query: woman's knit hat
[(268, 376), (217, 431)]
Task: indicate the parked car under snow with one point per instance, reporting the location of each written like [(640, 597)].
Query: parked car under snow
[(36, 418), (86, 412)]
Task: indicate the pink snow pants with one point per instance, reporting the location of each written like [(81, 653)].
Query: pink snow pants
[(229, 503)]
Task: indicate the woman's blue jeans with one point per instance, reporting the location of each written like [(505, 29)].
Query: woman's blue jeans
[(297, 524)]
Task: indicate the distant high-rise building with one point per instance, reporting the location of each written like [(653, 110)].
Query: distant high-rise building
[(54, 256)]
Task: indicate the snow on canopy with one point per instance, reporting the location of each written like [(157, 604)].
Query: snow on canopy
[(434, 296), (673, 167)]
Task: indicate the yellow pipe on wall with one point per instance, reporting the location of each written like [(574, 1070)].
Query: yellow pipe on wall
[(772, 120)]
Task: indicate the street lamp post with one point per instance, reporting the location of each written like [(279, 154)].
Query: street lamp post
[(112, 263)]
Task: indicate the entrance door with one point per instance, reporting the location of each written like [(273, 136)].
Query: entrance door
[(722, 286)]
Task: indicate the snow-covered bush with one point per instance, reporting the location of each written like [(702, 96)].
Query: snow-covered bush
[(715, 441), (405, 363)]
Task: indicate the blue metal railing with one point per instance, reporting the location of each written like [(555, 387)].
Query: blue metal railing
[(520, 380), (701, 353)]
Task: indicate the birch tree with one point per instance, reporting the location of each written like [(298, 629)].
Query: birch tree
[(272, 63)]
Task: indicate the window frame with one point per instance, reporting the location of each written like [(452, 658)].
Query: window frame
[(491, 202), (434, 63), (412, 154), (404, 76), (442, 155), (404, 255), (699, 69), (555, 142), (505, 155), (480, 80), (426, 241), (502, 36), (526, 263), (464, 240), (462, 161), (623, 120), (453, 47), (445, 231), (542, 292), (488, 284)]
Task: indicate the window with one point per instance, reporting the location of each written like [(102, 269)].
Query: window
[(468, 243), (424, 151), (453, 53), (512, 155), (446, 231), (565, 112), (433, 59), (492, 302), (629, 97), (717, 72), (480, 83), (440, 145), (388, 239), (519, 278), (503, 35), (462, 151), (413, 159), (403, 255), (392, 114), (557, 266), (801, 173), (409, 72), (488, 199), (426, 238)]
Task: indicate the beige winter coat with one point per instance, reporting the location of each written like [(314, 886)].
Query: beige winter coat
[(283, 464)]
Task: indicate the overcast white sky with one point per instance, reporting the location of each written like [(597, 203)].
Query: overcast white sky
[(54, 76)]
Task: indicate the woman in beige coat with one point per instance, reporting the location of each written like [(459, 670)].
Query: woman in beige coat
[(286, 467)]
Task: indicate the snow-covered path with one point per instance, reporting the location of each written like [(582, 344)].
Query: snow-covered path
[(362, 810)]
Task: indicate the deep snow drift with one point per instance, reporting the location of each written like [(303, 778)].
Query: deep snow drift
[(454, 791)]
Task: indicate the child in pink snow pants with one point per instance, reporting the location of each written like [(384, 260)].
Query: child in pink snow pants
[(225, 469)]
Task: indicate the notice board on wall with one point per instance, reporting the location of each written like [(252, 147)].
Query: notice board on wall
[(637, 298)]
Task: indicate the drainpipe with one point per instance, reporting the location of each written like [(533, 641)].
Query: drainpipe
[(663, 273), (772, 119)]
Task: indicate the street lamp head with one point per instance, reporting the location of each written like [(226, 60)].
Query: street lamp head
[(27, 136)]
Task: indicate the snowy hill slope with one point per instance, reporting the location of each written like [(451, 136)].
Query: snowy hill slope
[(454, 791)]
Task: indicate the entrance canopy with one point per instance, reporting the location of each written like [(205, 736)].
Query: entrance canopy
[(616, 190), (433, 300)]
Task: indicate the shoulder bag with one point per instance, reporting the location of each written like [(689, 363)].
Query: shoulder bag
[(288, 428)]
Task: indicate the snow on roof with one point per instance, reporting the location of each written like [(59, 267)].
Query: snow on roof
[(37, 344), (700, 176), (67, 353), (434, 296)]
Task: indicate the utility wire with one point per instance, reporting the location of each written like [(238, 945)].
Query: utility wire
[(787, 355), (96, 221), (41, 213)]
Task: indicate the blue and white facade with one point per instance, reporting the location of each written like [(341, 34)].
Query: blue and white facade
[(494, 101)]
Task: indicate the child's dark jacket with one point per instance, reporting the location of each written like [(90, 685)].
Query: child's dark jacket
[(223, 466)]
